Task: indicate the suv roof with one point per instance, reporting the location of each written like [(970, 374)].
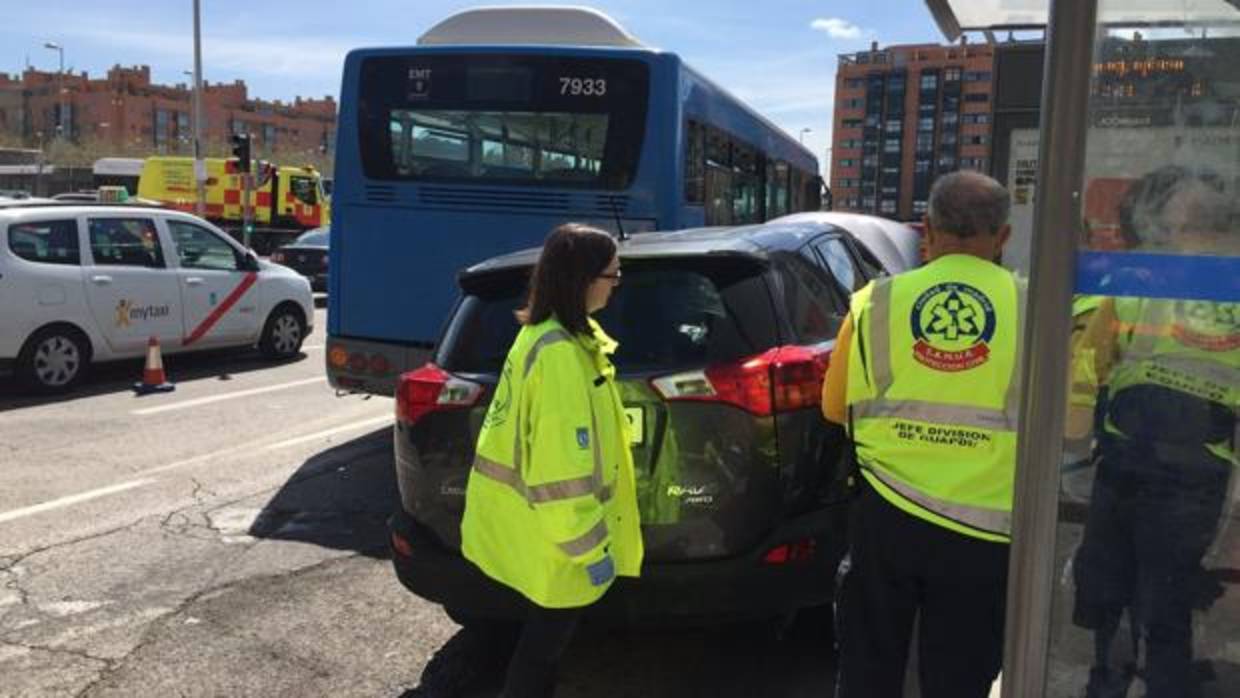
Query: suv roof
[(756, 241)]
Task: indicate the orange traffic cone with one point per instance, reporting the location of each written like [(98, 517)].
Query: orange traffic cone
[(153, 378)]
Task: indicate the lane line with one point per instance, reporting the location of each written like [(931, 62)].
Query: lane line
[(122, 487), (227, 396), (334, 430), (73, 499)]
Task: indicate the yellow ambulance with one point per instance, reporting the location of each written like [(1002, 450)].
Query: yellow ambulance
[(283, 196)]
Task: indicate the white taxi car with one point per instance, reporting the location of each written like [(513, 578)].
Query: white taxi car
[(81, 283)]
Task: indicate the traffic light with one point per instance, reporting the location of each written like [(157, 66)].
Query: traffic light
[(241, 151)]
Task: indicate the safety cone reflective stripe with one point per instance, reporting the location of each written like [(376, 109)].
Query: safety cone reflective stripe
[(153, 378)]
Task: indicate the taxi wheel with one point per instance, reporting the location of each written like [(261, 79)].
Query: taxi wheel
[(283, 333), (53, 360)]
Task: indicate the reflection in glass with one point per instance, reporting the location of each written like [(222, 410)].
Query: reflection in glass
[(1148, 599)]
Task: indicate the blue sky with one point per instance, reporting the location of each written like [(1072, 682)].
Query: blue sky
[(779, 55)]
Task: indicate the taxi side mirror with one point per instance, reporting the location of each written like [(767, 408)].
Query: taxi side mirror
[(249, 262)]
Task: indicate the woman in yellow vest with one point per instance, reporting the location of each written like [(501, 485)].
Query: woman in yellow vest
[(1166, 447), (925, 375), (551, 504)]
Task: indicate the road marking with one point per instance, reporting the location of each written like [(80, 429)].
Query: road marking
[(334, 430), (113, 489), (73, 499), (227, 396)]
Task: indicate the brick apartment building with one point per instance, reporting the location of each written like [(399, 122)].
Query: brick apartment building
[(904, 115), (126, 112)]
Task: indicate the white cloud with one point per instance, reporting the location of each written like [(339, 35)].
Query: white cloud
[(837, 28)]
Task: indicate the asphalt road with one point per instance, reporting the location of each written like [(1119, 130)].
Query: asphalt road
[(228, 539)]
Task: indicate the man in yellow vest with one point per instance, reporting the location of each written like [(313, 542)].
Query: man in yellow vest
[(925, 375), (1166, 446)]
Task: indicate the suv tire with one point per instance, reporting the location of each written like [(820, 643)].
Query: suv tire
[(53, 360), (284, 332)]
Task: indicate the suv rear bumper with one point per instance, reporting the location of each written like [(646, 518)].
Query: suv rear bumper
[(728, 589)]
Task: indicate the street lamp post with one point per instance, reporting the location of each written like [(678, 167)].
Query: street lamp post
[(200, 168), (60, 87), (801, 136)]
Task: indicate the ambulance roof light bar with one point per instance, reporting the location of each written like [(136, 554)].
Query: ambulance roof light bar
[(537, 25)]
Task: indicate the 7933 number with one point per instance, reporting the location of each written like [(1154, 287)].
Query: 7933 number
[(588, 87)]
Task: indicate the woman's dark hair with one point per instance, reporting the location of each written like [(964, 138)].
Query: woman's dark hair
[(573, 256)]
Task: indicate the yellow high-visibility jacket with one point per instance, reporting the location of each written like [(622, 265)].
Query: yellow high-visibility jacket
[(551, 505), (933, 377)]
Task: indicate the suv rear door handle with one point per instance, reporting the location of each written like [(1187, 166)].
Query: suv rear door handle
[(101, 279), (193, 281)]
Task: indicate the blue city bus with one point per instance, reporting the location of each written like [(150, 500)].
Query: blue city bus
[(502, 123)]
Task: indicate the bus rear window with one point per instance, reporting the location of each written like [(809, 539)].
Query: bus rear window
[(512, 119)]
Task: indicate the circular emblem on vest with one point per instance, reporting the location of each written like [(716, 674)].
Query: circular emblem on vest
[(1207, 326), (953, 324)]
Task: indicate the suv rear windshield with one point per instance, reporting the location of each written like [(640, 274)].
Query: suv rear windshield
[(666, 315), (510, 119)]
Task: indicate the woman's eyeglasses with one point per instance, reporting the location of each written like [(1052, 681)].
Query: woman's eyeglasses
[(613, 277)]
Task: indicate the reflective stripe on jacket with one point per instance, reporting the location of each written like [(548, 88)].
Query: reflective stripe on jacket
[(933, 392), (1190, 347), (552, 488)]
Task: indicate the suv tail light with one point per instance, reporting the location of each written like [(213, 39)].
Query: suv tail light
[(778, 380), (432, 389)]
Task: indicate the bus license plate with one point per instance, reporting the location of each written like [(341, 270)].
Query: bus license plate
[(637, 423)]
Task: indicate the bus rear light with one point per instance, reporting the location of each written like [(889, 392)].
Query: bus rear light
[(338, 357), (379, 364), (358, 363), (781, 379), (432, 389)]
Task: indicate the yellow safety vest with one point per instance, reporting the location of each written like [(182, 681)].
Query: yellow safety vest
[(1192, 347), (552, 488), (933, 378)]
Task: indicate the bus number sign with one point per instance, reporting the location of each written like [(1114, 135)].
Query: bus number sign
[(588, 87)]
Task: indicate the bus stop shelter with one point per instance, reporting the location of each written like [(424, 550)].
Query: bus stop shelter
[(1139, 131)]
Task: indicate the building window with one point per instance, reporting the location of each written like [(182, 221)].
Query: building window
[(977, 76), (920, 207), (887, 206), (870, 161), (925, 124), (975, 118), (894, 125), (946, 163), (951, 75), (950, 118), (925, 142), (851, 123), (948, 138), (854, 103), (269, 136), (891, 146), (160, 128), (847, 162), (929, 81), (239, 127), (977, 97), (976, 140), (921, 166), (851, 83), (868, 202)]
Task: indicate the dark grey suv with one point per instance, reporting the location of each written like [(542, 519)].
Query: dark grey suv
[(724, 335)]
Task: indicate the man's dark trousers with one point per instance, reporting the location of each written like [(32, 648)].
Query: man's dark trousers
[(902, 566)]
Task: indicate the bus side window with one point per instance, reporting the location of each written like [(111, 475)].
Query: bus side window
[(718, 178), (695, 163)]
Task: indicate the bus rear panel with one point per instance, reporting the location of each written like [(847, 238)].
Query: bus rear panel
[(448, 156)]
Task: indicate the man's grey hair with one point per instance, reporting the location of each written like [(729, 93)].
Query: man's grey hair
[(968, 203)]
